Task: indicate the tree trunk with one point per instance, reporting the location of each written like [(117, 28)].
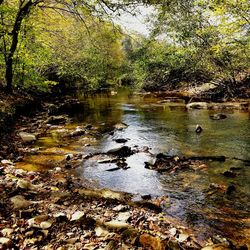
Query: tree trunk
[(22, 13)]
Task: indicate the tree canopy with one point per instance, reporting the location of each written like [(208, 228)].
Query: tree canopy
[(44, 42)]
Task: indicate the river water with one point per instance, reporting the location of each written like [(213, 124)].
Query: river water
[(165, 126), (169, 127)]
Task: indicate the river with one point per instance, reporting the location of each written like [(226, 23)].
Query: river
[(167, 126)]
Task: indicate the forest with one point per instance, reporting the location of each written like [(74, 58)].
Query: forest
[(44, 43), (114, 139)]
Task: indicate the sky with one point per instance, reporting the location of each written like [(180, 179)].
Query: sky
[(136, 23)]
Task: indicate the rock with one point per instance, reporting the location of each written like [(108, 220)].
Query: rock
[(23, 184), (218, 116), (120, 208), (37, 221), (69, 157), (7, 162), (101, 232), (56, 120), (77, 132), (230, 189), (89, 126), (58, 169), (116, 225), (120, 126), (78, 215), (123, 216), (173, 231), (123, 151), (120, 140), (198, 129), (45, 224), (197, 105), (146, 197), (20, 202), (5, 242), (27, 137), (6, 232), (229, 174), (150, 242), (182, 237)]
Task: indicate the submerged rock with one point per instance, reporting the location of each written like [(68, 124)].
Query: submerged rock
[(56, 120), (229, 174), (218, 116), (120, 140)]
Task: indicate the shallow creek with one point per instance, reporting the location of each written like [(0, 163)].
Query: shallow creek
[(168, 127)]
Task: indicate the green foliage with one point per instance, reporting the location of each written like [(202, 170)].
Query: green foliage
[(194, 41), (60, 41)]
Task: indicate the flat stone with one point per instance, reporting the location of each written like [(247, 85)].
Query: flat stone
[(116, 225), (78, 215), (27, 137), (20, 202)]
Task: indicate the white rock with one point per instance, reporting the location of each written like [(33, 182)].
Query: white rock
[(77, 215), (197, 105), (114, 224), (120, 208), (101, 232), (182, 237), (58, 169), (123, 216), (7, 232), (45, 224), (27, 137), (7, 162), (173, 231)]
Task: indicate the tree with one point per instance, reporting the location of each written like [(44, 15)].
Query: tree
[(13, 13)]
